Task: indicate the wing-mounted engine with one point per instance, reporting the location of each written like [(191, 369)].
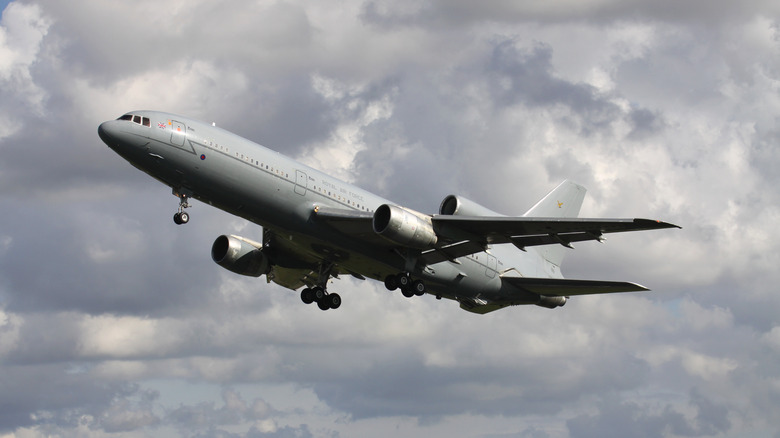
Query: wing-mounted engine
[(404, 226), (460, 206), (552, 302), (240, 255)]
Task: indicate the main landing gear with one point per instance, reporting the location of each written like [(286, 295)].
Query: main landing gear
[(403, 281), (319, 295), (182, 217)]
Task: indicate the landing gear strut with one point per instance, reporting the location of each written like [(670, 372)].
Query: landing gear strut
[(182, 217), (403, 281)]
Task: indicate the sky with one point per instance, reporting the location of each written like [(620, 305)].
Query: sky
[(115, 322)]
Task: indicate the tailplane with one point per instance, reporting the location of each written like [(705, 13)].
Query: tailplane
[(563, 201)]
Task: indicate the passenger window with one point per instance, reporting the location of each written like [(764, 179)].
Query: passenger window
[(147, 122)]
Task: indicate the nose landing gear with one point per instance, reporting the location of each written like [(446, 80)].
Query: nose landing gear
[(182, 217)]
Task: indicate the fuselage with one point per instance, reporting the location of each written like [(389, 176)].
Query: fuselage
[(241, 177)]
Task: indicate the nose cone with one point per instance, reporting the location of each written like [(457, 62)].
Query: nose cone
[(107, 133)]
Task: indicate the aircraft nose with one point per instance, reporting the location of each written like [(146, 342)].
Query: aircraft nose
[(107, 133)]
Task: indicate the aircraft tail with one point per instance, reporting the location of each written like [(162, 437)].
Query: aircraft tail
[(563, 201)]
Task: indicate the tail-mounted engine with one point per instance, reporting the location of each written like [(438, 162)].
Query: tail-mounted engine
[(460, 206), (240, 255), (404, 227)]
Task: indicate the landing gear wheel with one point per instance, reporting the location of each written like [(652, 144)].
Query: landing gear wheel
[(184, 217), (407, 292), (391, 282), (334, 300), (307, 296), (404, 280), (323, 304), (177, 219), (418, 287), (319, 294)]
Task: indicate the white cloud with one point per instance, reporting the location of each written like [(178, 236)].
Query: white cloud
[(22, 30), (663, 110)]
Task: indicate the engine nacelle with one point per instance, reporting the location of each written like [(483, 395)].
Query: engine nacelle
[(404, 226), (460, 206), (552, 302), (240, 255)]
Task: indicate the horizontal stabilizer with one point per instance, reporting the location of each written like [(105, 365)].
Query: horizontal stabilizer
[(564, 287)]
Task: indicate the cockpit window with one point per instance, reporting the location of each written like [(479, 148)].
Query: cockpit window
[(137, 119)]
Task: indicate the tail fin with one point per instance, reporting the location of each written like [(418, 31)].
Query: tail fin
[(563, 201)]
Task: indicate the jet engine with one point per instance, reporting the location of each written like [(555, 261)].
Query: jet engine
[(240, 255), (404, 227), (552, 302), (460, 206)]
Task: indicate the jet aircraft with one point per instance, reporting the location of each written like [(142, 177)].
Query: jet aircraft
[(316, 227)]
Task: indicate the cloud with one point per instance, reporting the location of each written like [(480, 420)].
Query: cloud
[(114, 321)]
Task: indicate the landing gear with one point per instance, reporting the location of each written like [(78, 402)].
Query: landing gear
[(409, 287), (182, 217), (323, 299)]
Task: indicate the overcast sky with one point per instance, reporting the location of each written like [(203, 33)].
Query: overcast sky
[(115, 322)]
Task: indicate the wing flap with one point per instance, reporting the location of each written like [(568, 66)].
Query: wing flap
[(564, 287)]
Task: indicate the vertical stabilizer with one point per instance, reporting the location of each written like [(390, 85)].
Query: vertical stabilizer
[(563, 201)]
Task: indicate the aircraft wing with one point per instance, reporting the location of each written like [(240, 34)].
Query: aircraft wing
[(533, 231), (564, 287), (353, 223), (464, 235)]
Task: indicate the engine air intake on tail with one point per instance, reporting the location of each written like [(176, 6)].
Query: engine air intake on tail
[(460, 206)]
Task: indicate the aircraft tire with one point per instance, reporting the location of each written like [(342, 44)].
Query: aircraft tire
[(307, 296), (177, 219), (323, 304), (404, 280), (319, 294), (407, 292), (418, 287), (184, 217), (334, 300), (391, 282)]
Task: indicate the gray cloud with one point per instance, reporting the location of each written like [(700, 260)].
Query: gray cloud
[(114, 321)]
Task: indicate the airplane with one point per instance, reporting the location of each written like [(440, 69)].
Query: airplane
[(316, 227)]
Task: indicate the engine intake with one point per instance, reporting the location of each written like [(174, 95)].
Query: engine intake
[(404, 227), (240, 255), (460, 206)]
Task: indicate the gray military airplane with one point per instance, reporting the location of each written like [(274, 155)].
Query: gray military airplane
[(316, 227)]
